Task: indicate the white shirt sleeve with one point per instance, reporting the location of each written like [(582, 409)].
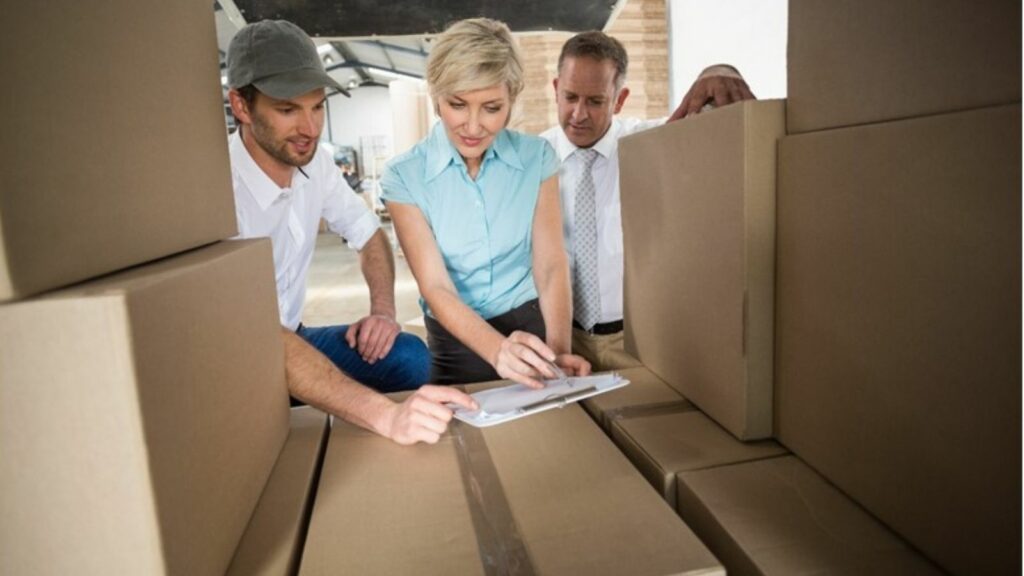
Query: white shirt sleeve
[(346, 213)]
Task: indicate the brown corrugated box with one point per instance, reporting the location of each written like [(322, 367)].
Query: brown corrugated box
[(140, 416), (272, 543), (855, 61), (547, 493), (899, 336), (698, 218), (778, 517), (661, 445), (116, 154), (645, 393)]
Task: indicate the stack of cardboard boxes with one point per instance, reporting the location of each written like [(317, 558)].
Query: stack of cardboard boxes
[(142, 394), (899, 280), (830, 380), (894, 293)]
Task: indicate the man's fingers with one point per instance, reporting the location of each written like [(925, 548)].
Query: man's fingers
[(389, 343), (745, 92), (444, 394), (430, 408), (352, 334), (721, 95), (429, 422), (366, 338)]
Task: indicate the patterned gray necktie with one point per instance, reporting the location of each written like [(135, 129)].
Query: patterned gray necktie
[(586, 293)]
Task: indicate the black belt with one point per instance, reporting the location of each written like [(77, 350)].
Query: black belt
[(601, 329)]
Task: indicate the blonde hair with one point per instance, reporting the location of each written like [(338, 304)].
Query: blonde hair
[(474, 54)]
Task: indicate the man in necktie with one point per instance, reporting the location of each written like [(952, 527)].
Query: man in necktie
[(590, 90)]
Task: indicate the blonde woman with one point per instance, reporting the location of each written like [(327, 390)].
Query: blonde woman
[(476, 210)]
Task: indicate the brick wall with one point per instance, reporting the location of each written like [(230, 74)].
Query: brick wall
[(641, 26)]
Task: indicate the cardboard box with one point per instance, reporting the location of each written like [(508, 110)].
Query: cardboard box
[(855, 62), (645, 394), (140, 416), (698, 219), (777, 516), (548, 494), (664, 444), (117, 154), (272, 543), (899, 342)]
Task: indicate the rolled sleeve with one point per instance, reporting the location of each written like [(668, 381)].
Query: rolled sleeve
[(348, 216)]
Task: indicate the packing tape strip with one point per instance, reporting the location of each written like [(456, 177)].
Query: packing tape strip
[(502, 550), (655, 409)]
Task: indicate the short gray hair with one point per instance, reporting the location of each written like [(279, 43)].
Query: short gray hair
[(474, 54)]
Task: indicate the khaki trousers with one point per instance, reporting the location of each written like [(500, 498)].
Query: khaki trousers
[(604, 352)]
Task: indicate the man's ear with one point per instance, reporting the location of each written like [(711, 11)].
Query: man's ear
[(555, 84), (621, 99), (239, 107)]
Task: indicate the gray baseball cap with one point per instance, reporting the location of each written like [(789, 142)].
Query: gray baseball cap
[(279, 59)]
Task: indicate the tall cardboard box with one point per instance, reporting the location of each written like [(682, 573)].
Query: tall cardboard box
[(547, 494), (140, 416), (272, 543), (899, 336), (855, 61), (116, 153), (698, 219), (777, 517)]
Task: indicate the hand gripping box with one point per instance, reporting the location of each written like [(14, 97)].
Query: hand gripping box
[(545, 494), (117, 153), (698, 222), (140, 416), (862, 61), (899, 336)]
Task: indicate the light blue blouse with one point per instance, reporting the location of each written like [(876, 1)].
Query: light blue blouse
[(483, 228)]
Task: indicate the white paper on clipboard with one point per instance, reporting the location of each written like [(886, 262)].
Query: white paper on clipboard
[(507, 403)]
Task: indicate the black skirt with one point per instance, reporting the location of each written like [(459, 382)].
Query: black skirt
[(454, 363)]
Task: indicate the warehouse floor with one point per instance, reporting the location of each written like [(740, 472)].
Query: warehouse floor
[(337, 293)]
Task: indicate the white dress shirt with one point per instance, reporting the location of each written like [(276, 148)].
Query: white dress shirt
[(291, 217), (609, 213)]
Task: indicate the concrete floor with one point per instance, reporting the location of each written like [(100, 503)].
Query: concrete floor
[(336, 292)]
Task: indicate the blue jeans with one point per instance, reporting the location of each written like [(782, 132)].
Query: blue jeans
[(406, 367)]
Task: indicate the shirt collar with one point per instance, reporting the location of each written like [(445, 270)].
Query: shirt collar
[(606, 146), (441, 153), (264, 190)]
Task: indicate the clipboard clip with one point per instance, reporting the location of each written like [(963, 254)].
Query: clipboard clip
[(557, 401)]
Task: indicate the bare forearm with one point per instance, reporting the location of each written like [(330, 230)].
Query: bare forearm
[(378, 266), (555, 305), (315, 380)]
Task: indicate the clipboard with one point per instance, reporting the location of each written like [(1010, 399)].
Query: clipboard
[(500, 405)]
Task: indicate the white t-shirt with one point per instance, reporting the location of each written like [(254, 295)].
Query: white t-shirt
[(291, 217), (609, 214)]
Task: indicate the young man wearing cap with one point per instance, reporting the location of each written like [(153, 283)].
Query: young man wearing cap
[(589, 92), (283, 187)]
